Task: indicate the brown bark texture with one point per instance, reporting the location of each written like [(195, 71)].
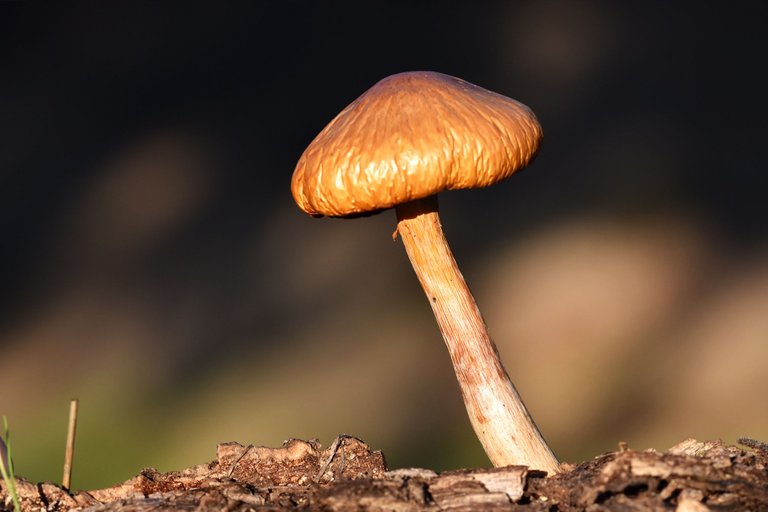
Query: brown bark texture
[(693, 476)]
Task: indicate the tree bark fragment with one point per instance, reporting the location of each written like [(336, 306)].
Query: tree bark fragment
[(693, 476)]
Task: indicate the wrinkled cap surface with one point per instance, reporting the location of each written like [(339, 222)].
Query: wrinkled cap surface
[(410, 136)]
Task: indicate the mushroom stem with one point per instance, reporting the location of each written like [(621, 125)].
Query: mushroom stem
[(498, 415)]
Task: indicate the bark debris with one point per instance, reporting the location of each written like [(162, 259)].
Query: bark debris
[(692, 476)]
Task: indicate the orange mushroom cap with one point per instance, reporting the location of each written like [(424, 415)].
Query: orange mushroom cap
[(410, 136)]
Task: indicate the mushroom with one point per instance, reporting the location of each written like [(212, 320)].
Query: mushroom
[(409, 137)]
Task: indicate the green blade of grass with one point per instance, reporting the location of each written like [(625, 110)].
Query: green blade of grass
[(6, 465)]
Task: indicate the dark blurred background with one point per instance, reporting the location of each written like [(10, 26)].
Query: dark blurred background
[(154, 265)]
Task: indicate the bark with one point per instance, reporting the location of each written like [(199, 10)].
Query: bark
[(349, 476)]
